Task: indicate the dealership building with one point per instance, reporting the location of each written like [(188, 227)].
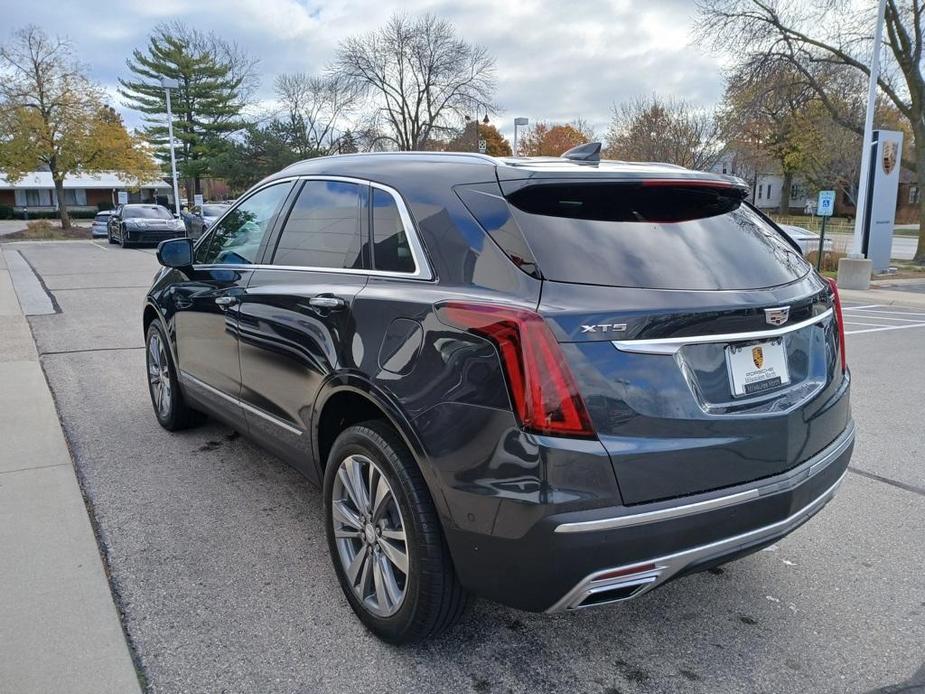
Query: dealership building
[(35, 192)]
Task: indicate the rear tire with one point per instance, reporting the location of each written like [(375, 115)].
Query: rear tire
[(372, 541), (170, 406)]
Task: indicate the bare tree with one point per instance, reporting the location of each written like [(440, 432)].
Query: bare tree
[(671, 131), (314, 109), (419, 75), (53, 115), (835, 32)]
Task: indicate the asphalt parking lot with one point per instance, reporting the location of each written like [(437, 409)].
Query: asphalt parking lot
[(219, 565)]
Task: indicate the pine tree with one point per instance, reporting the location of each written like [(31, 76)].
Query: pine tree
[(347, 143), (214, 80)]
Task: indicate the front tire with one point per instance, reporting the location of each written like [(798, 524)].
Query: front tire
[(170, 406), (109, 237), (385, 538), (123, 241)]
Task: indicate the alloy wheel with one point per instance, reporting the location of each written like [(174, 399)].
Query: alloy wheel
[(159, 375), (370, 535)]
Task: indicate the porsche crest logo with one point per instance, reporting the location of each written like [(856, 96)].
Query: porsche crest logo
[(890, 155), (757, 357)]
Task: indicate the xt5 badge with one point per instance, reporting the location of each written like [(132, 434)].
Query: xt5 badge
[(604, 328)]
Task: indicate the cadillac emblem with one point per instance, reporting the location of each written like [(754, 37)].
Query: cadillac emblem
[(890, 155), (777, 316), (757, 357)]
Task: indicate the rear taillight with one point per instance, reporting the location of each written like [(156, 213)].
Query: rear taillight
[(841, 323), (543, 391)]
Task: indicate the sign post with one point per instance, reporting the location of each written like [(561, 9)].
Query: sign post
[(824, 208), (122, 197)]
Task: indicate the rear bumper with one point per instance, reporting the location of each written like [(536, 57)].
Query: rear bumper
[(571, 560)]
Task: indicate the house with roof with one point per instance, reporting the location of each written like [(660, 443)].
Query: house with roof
[(34, 193)]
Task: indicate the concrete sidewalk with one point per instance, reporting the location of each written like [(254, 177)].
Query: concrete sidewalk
[(59, 628)]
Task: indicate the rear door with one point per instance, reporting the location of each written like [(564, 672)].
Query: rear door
[(206, 304), (704, 345), (296, 316)]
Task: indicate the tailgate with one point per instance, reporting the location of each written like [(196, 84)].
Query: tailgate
[(658, 383)]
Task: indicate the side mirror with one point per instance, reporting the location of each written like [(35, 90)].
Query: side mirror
[(175, 253)]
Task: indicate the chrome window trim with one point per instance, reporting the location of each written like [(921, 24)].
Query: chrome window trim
[(422, 269), (670, 345), (237, 203), (804, 472), (184, 376)]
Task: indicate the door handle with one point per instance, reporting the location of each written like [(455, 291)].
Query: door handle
[(226, 301), (327, 301)]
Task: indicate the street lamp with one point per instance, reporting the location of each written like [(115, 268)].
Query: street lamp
[(478, 140), (518, 122), (169, 84)]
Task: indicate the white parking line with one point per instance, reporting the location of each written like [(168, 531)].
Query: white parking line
[(872, 317), (877, 318), (891, 327), (893, 313), (870, 325)]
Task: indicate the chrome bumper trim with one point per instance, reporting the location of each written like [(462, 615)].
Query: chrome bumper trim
[(668, 566), (802, 473), (670, 345)]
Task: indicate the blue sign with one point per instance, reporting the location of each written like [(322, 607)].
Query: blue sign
[(826, 206)]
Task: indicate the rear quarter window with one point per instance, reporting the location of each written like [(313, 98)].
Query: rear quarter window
[(662, 237)]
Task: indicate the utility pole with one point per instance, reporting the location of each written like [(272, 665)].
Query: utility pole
[(169, 84), (868, 133), (854, 271), (519, 121)]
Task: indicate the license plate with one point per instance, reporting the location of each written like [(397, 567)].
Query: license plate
[(758, 367)]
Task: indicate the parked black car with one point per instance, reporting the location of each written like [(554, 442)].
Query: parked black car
[(136, 223), (555, 383)]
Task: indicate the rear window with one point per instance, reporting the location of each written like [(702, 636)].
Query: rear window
[(323, 229), (652, 236)]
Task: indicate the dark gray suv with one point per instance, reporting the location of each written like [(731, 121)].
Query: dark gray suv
[(553, 382)]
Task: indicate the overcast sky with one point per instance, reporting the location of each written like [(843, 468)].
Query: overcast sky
[(556, 60)]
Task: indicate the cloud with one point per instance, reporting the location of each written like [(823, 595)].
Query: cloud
[(555, 60)]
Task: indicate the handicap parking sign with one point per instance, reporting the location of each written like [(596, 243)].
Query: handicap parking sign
[(826, 206)]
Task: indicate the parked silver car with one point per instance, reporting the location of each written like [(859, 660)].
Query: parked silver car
[(197, 224), (807, 240), (100, 222)]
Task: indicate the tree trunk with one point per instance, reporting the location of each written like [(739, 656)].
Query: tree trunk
[(59, 193), (920, 179), (785, 194)]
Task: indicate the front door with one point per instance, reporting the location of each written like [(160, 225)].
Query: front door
[(206, 306), (295, 318)]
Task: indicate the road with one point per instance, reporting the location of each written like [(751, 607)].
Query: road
[(903, 246), (219, 563)]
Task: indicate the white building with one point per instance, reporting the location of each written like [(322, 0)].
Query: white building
[(767, 187), (35, 192)]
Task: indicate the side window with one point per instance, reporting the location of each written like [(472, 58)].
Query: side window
[(391, 250), (323, 229), (236, 240)]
